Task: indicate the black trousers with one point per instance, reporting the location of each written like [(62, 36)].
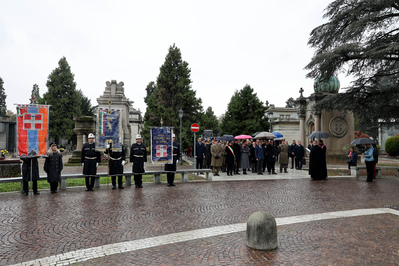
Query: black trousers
[(292, 161), (90, 181), (171, 178), (53, 186), (270, 166), (199, 162), (298, 164), (26, 186), (113, 179), (138, 180), (230, 167), (259, 165), (369, 167)]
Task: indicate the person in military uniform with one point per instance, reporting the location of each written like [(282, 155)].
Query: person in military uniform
[(117, 160), (217, 152), (90, 159), (26, 171), (138, 156), (171, 167), (53, 167)]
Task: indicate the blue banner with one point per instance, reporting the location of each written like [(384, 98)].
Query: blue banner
[(161, 145), (109, 129)]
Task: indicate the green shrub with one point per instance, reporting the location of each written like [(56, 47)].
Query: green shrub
[(392, 145)]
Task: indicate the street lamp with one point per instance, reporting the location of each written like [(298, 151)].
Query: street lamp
[(180, 118), (270, 116)]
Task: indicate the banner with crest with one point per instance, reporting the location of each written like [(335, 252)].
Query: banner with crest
[(161, 145), (109, 129)]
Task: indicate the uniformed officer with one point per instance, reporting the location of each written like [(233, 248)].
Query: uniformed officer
[(90, 159), (138, 156), (53, 167), (116, 163), (172, 166), (26, 172)]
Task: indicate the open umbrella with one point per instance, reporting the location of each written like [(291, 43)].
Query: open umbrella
[(277, 134), (319, 135), (227, 137), (348, 146), (265, 135), (363, 141), (243, 137)]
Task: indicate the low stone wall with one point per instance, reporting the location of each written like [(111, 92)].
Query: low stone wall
[(10, 168)]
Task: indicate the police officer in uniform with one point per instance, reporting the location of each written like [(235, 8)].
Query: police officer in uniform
[(26, 171), (138, 156), (116, 163), (90, 159), (172, 166)]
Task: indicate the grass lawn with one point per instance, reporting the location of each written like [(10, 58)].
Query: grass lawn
[(73, 182)]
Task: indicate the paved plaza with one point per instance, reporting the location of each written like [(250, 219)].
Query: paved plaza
[(340, 221)]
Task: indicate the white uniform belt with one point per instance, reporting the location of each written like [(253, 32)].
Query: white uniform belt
[(138, 155), (90, 158), (115, 158)]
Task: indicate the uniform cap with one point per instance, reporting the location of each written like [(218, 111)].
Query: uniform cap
[(53, 144), (173, 136), (138, 136), (91, 136)]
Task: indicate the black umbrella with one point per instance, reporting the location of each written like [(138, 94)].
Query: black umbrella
[(227, 137), (363, 141), (319, 135)]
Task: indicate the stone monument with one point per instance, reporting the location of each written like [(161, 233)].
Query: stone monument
[(340, 125)]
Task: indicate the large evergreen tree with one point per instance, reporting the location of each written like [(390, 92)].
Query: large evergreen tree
[(3, 96), (172, 92), (64, 100), (360, 39), (85, 106), (245, 114), (209, 121)]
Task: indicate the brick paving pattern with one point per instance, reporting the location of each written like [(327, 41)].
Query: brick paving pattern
[(37, 227)]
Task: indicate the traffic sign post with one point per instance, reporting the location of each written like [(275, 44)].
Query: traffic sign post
[(195, 128)]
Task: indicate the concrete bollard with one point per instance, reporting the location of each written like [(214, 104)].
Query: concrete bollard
[(261, 231)]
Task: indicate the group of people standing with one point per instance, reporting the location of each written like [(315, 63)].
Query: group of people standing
[(370, 158)]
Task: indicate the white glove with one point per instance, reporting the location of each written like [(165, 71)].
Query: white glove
[(96, 164), (123, 162), (108, 146), (177, 161), (83, 164)]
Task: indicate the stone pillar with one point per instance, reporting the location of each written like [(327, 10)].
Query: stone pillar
[(317, 121), (302, 129), (79, 144), (261, 231)]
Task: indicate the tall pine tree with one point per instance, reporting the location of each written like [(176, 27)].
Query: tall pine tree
[(35, 95), (172, 92), (3, 96), (245, 114), (64, 100)]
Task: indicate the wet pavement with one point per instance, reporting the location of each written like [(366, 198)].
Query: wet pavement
[(340, 221)]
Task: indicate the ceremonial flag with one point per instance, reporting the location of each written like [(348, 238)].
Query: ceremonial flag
[(161, 145), (109, 129), (32, 124)]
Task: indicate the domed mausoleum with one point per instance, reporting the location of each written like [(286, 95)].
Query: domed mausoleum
[(332, 86)]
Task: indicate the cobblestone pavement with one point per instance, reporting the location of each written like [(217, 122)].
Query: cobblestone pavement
[(339, 221)]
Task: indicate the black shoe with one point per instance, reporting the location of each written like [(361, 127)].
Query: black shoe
[(274, 173), (91, 189), (121, 187), (113, 187), (36, 192), (87, 189), (26, 193), (260, 174), (172, 185), (53, 191), (269, 173), (139, 186)]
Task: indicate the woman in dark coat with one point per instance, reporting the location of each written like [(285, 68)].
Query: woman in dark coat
[(53, 167), (26, 170), (352, 157)]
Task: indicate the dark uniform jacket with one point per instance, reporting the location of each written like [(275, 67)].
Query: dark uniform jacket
[(53, 166), (90, 157), (26, 162), (115, 161), (138, 155), (176, 155), (199, 150), (270, 151)]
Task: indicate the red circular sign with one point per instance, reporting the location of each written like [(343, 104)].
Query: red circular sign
[(194, 127)]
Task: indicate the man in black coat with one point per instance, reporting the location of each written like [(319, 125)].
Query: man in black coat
[(138, 156), (53, 166), (317, 161), (271, 153), (90, 159), (291, 153), (199, 153), (116, 162), (237, 154), (299, 152), (27, 164), (171, 167)]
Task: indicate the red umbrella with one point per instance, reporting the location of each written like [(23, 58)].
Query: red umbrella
[(243, 137)]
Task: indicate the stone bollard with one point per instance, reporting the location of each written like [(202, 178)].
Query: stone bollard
[(261, 231)]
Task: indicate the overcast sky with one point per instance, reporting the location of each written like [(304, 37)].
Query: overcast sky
[(227, 45)]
